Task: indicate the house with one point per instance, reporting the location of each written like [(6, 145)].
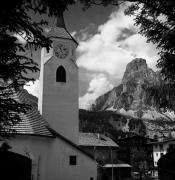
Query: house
[(101, 147), (46, 143), (160, 148), (105, 151)]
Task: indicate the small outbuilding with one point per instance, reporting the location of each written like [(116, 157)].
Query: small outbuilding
[(105, 151)]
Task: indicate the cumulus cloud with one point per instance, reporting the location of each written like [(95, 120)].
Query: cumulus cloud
[(113, 46), (97, 86), (103, 53), (86, 33), (138, 46), (33, 87), (110, 49)]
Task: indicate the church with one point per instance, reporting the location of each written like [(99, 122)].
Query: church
[(45, 146)]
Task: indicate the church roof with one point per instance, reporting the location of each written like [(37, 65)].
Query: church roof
[(62, 33), (32, 123), (59, 30), (95, 139), (58, 135)]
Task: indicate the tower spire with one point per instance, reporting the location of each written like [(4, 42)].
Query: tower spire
[(60, 21)]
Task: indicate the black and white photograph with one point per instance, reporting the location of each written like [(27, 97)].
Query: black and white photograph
[(87, 90)]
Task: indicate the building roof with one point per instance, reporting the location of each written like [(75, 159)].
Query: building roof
[(59, 30), (162, 141), (32, 123), (116, 165), (71, 143), (95, 139)]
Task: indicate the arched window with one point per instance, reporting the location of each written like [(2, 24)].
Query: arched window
[(61, 74)]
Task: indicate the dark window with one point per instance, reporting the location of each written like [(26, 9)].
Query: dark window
[(91, 178), (72, 160), (61, 74)]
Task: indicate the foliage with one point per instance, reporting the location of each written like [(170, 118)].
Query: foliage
[(156, 21), (110, 123), (162, 95), (9, 112), (88, 3), (166, 167), (137, 152), (16, 61), (139, 158)]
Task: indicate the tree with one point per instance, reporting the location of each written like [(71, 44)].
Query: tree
[(156, 21), (139, 158), (166, 162), (16, 57)]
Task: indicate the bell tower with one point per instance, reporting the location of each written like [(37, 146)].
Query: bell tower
[(58, 100)]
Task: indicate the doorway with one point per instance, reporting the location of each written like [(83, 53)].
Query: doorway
[(14, 166)]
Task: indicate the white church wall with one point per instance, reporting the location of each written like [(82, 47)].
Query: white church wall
[(83, 170), (50, 159), (36, 148), (58, 101)]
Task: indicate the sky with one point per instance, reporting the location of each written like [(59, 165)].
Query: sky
[(108, 41)]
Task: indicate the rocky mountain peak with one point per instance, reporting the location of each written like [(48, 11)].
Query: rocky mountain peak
[(132, 97), (138, 70)]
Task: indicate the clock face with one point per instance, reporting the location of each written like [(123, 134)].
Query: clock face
[(61, 51)]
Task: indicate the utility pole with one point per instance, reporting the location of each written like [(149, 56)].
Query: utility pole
[(112, 164)]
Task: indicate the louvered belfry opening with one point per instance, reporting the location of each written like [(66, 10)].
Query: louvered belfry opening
[(61, 74)]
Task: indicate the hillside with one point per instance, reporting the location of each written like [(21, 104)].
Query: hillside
[(118, 126), (110, 123), (133, 107), (134, 96)]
